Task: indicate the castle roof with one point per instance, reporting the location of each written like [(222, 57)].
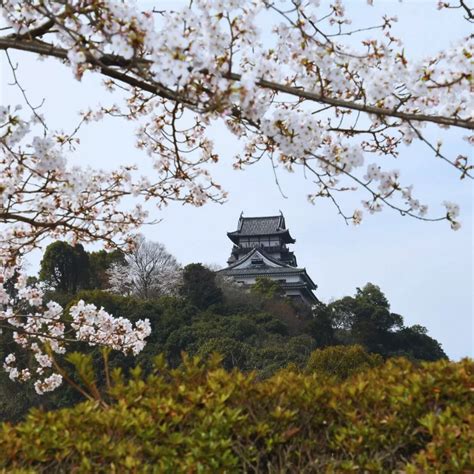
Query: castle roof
[(261, 226), (267, 267)]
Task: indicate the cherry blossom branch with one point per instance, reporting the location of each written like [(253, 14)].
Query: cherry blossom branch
[(459, 164), (158, 89), (13, 69), (415, 117)]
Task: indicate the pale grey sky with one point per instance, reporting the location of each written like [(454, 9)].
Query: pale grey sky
[(426, 270)]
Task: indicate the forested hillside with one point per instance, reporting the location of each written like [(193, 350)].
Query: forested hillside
[(253, 330)]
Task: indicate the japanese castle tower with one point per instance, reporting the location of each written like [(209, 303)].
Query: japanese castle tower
[(261, 250)]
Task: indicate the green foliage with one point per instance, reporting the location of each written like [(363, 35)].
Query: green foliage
[(236, 298), (371, 294), (100, 262), (207, 332), (64, 267), (341, 361), (165, 315), (59, 297), (234, 353), (413, 342), (15, 398), (84, 367), (121, 306), (366, 319), (398, 417), (267, 288), (251, 333), (321, 327), (68, 268), (199, 286)]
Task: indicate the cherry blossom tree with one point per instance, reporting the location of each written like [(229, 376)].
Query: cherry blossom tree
[(149, 270), (301, 96)]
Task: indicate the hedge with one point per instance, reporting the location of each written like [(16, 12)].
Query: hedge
[(397, 417)]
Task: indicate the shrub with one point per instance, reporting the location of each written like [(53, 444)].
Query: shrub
[(397, 417), (342, 361)]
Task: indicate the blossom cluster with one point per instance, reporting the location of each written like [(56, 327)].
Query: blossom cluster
[(43, 331), (97, 327)]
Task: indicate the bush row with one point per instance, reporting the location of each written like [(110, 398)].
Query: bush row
[(396, 417)]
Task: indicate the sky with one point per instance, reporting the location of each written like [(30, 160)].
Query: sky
[(425, 269)]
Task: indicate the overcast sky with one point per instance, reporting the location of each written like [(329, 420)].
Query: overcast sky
[(426, 270)]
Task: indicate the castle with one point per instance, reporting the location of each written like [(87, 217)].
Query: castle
[(261, 250)]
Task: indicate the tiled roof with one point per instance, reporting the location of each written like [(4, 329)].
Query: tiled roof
[(261, 251), (261, 269), (265, 270), (250, 231), (269, 271), (261, 225)]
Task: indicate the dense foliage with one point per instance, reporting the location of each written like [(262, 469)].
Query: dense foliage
[(199, 286), (297, 93), (253, 331), (294, 390), (366, 319), (341, 361), (398, 417), (100, 262), (66, 268)]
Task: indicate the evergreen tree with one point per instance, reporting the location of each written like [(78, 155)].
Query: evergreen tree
[(64, 267), (199, 286), (366, 319)]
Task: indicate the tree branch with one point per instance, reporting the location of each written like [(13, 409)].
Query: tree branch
[(105, 61)]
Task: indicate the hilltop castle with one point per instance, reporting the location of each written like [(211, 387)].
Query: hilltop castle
[(261, 250)]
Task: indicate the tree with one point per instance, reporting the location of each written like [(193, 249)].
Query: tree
[(287, 106), (365, 319), (267, 288), (148, 271), (199, 286), (373, 323), (100, 262), (234, 353), (119, 280), (413, 342), (321, 327), (65, 267), (301, 97)]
